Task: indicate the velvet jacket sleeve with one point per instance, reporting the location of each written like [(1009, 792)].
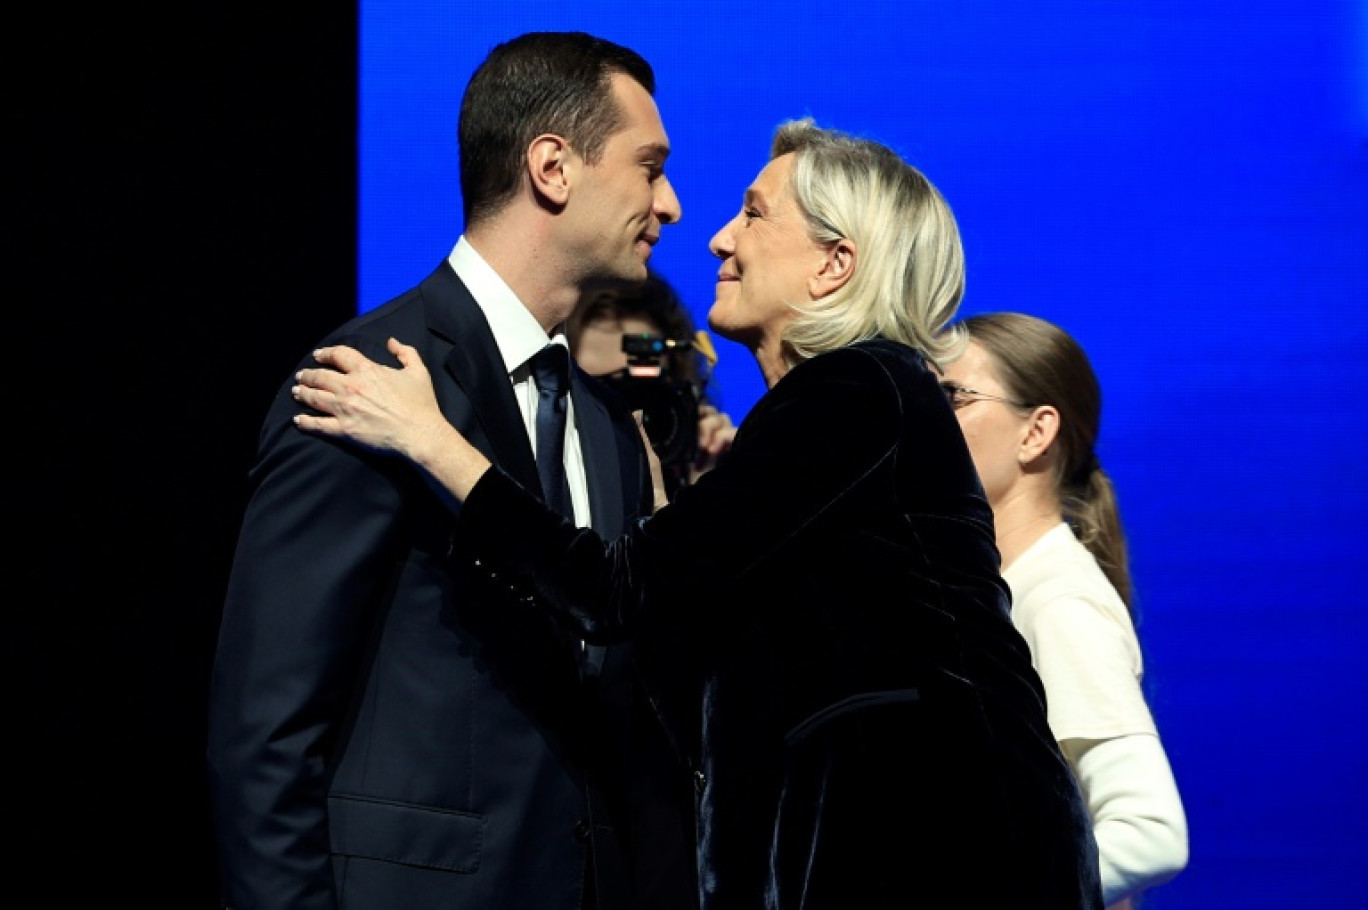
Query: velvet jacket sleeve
[(798, 457)]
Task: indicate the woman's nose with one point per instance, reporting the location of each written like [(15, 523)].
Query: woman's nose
[(721, 243)]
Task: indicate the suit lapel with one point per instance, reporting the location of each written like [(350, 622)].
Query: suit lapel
[(492, 420), (475, 366)]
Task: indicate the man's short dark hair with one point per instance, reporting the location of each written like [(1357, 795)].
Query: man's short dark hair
[(540, 82)]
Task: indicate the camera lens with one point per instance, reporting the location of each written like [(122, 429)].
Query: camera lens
[(669, 414)]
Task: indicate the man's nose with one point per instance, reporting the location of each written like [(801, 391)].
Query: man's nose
[(667, 206)]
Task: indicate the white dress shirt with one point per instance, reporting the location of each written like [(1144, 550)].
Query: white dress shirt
[(519, 336)]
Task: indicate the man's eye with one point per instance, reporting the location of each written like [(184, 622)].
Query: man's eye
[(750, 213)]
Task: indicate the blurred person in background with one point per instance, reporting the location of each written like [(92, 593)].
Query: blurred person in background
[(1031, 408), (640, 339)]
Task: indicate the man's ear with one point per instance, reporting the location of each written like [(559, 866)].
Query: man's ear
[(548, 158), (836, 268), (1041, 432)]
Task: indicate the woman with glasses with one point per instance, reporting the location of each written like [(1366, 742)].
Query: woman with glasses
[(834, 651), (1031, 407)]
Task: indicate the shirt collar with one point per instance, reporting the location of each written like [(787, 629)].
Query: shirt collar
[(516, 331)]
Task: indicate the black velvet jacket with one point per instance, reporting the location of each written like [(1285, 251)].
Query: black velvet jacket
[(830, 644)]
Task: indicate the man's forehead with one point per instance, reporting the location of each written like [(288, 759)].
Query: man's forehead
[(642, 125)]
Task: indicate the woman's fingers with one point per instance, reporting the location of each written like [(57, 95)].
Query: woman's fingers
[(341, 360), (715, 430), (326, 421), (314, 378), (326, 426), (313, 397), (340, 356), (407, 354)]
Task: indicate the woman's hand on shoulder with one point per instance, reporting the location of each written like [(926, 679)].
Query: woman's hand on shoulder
[(379, 408)]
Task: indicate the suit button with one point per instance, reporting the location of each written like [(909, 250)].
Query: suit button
[(581, 831)]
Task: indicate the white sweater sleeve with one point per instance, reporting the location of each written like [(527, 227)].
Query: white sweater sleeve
[(1138, 816)]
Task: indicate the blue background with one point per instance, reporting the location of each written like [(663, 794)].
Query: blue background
[(1182, 186)]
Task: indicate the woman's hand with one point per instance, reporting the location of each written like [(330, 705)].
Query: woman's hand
[(387, 410), (715, 434), (375, 406), (657, 472)]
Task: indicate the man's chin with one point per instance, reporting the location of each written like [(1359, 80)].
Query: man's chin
[(638, 270), (628, 272)]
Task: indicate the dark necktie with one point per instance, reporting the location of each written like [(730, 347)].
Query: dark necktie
[(551, 369)]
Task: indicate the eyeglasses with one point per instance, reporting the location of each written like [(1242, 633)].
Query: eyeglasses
[(960, 396)]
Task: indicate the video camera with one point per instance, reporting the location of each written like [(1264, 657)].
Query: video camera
[(669, 403)]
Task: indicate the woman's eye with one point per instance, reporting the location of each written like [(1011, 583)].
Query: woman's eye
[(749, 214)]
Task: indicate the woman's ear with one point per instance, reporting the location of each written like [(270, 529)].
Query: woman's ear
[(1042, 429), (836, 268), (548, 160)]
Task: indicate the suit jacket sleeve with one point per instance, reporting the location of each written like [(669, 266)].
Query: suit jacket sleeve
[(313, 557)]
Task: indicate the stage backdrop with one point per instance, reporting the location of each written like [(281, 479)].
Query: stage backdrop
[(1184, 187)]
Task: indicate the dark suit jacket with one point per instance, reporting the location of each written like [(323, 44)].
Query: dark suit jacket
[(380, 736), (871, 732)]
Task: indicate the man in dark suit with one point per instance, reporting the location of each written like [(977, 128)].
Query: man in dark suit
[(383, 734)]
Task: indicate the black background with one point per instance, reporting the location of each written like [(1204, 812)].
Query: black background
[(181, 206)]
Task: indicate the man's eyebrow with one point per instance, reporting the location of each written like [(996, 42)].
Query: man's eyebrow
[(658, 149)]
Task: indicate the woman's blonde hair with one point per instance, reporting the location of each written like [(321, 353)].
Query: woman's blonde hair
[(909, 273)]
